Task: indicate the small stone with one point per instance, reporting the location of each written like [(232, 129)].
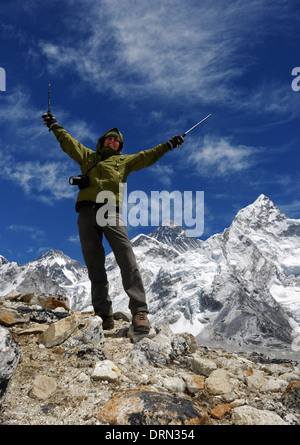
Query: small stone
[(247, 415), (149, 351), (83, 377), (122, 316), (218, 382), (89, 331), (58, 332), (291, 376), (194, 383), (9, 317), (191, 342), (106, 370), (43, 387), (238, 402), (202, 366), (273, 385), (135, 337), (29, 298), (220, 411), (54, 302), (291, 396), (13, 296), (256, 380), (175, 384)]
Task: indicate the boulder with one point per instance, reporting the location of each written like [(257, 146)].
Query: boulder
[(10, 353), (58, 332), (145, 406), (247, 415)]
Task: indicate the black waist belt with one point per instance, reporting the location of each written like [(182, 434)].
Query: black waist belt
[(91, 204)]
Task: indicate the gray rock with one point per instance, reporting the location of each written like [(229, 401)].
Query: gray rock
[(201, 366), (10, 353), (43, 387), (58, 332), (89, 331), (247, 415), (218, 382)]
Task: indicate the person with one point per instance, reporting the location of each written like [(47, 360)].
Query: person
[(104, 170)]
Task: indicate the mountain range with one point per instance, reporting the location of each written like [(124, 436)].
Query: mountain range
[(239, 289)]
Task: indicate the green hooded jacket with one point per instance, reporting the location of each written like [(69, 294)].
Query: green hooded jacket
[(110, 168)]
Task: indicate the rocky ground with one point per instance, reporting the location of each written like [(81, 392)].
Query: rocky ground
[(58, 367)]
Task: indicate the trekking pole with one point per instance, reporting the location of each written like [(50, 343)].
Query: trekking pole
[(184, 134), (49, 111)]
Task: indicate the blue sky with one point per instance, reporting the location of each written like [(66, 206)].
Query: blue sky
[(153, 69)]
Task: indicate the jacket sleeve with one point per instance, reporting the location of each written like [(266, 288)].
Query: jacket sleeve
[(71, 146), (145, 158)]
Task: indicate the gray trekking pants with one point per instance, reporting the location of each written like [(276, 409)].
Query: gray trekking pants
[(91, 235)]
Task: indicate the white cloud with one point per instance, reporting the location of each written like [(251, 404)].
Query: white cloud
[(20, 115), (35, 233), (163, 173), (46, 182), (195, 50), (73, 239), (214, 156)]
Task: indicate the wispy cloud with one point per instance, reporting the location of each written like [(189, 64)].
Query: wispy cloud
[(196, 51), (292, 209), (163, 173), (74, 239), (35, 233), (213, 156), (46, 182), (19, 114)]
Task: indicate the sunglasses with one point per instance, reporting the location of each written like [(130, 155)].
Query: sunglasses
[(112, 139)]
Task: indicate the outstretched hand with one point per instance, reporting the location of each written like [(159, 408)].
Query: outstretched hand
[(49, 120), (175, 141)]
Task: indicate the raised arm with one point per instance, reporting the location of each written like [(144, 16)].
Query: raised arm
[(147, 158), (71, 146)]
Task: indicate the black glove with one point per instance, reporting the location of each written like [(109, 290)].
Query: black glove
[(49, 120), (175, 141)]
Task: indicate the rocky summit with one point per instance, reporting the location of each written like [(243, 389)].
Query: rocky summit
[(58, 367)]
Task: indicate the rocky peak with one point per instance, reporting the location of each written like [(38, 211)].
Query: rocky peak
[(3, 260), (263, 214), (53, 256), (59, 267), (174, 235)]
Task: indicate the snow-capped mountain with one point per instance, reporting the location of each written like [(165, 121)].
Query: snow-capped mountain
[(239, 288), (51, 273)]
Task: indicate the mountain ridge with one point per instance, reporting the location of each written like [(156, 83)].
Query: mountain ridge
[(240, 287)]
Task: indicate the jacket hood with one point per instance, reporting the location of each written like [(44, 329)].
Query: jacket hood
[(107, 151)]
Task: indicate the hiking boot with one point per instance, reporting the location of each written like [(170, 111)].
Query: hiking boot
[(141, 323), (107, 322)]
